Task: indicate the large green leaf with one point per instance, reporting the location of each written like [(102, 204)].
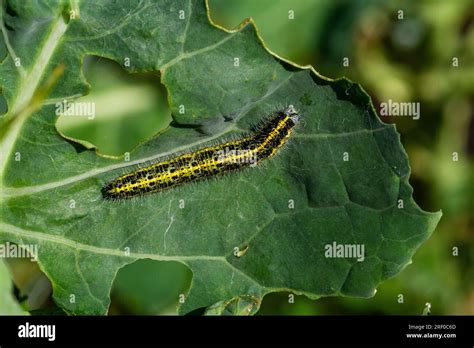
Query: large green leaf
[(51, 196)]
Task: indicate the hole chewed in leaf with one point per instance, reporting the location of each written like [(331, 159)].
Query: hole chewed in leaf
[(121, 111), (149, 287)]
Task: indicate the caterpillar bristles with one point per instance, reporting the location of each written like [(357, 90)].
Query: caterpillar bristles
[(216, 159)]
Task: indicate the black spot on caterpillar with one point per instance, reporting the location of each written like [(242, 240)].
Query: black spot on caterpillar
[(264, 141)]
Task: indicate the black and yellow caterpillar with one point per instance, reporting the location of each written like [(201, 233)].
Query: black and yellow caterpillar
[(207, 162)]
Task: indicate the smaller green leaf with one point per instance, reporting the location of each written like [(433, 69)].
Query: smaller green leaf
[(8, 304)]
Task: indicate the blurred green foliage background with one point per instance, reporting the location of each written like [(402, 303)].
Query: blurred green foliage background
[(407, 56)]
